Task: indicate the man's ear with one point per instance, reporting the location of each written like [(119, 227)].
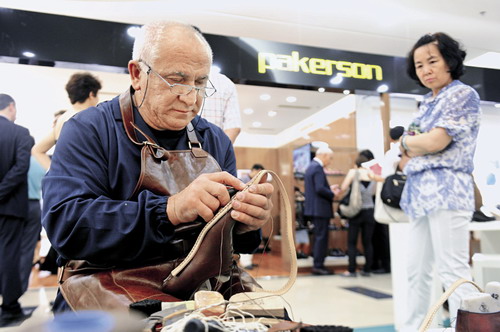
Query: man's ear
[(12, 111), (135, 74)]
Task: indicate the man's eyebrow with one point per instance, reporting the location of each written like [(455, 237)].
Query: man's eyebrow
[(177, 73), (184, 75)]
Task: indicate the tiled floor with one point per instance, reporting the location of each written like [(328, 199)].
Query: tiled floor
[(323, 300), (318, 300)]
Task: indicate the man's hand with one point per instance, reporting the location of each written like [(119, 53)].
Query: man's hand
[(207, 193), (335, 188), (252, 208), (203, 197)]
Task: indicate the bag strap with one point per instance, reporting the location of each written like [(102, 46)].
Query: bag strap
[(430, 315), (355, 184), (288, 232)]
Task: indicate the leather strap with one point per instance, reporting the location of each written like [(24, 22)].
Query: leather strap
[(430, 315), (128, 116), (288, 233)]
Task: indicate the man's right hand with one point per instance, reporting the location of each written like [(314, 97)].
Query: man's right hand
[(335, 188), (203, 197)]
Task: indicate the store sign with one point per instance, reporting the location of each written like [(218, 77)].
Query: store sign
[(317, 66), (249, 61)]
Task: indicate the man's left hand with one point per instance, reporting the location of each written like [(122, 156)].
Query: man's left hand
[(252, 208)]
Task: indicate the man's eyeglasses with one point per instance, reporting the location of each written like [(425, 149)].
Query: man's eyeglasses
[(183, 89)]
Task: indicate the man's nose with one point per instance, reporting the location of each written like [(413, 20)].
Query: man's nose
[(191, 97)]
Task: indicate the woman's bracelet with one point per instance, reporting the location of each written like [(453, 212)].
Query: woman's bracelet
[(403, 143)]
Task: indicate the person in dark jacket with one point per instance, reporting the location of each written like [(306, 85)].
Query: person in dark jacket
[(15, 149), (318, 205)]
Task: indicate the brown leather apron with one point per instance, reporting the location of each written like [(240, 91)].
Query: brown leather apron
[(86, 286)]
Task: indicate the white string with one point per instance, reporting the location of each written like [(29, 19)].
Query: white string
[(226, 322)]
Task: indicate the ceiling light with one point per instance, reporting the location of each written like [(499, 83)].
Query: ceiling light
[(337, 79), (497, 105), (487, 60), (321, 90), (306, 137), (256, 124), (133, 31), (28, 54), (265, 96), (272, 113), (248, 111), (383, 88), (291, 99), (346, 92)]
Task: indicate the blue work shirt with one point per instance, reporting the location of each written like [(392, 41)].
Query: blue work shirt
[(94, 170)]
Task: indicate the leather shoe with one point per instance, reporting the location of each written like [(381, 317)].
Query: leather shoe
[(8, 319), (381, 271), (302, 255), (480, 216), (321, 272)]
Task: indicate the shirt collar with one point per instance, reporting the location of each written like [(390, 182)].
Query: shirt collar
[(318, 161), (4, 116), (428, 97)]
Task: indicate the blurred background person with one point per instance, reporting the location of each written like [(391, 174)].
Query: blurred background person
[(318, 205), (33, 224), (438, 148), (47, 255), (364, 221), (15, 147), (82, 89), (381, 243), (223, 108), (302, 226), (392, 157)]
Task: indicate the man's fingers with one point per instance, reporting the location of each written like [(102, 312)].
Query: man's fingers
[(212, 202), (251, 210), (265, 189), (205, 212), (226, 179)]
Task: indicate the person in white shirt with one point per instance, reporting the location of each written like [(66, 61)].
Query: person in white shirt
[(222, 108), (393, 155)]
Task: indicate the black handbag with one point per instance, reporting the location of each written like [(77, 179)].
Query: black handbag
[(393, 189)]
